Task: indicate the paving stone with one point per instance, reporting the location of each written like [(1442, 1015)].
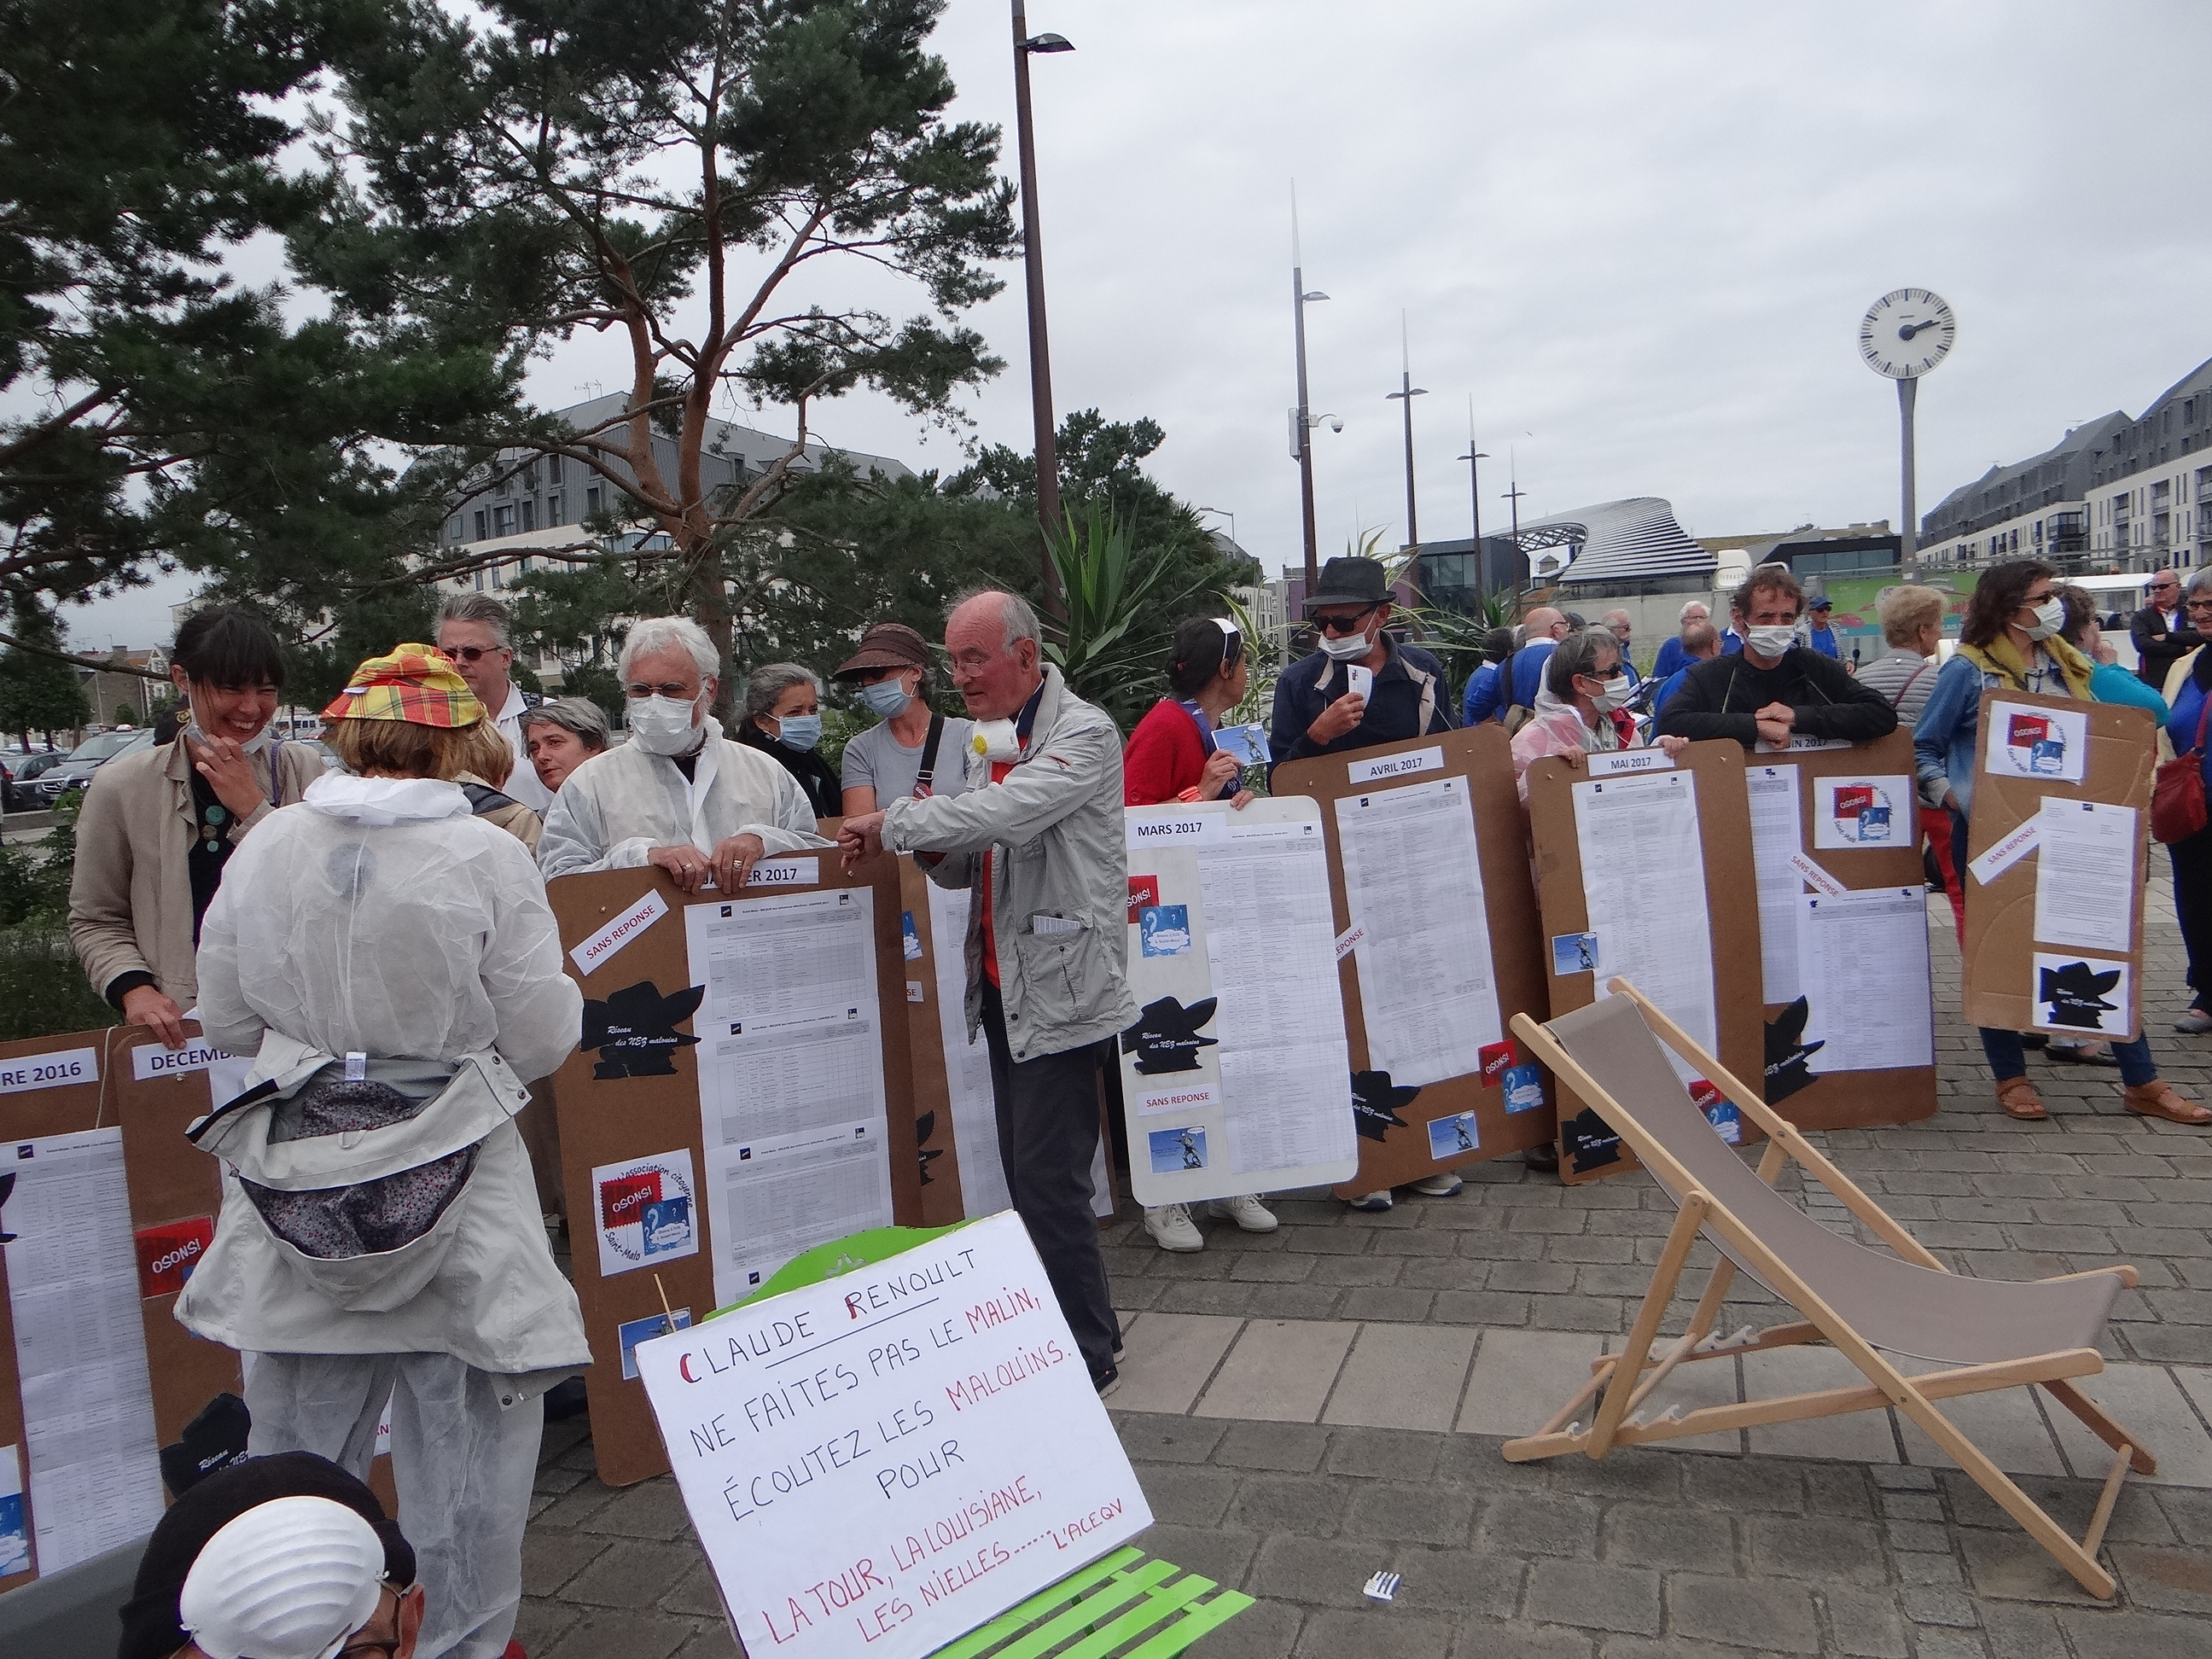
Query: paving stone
[(1774, 1617), (550, 1560), (1750, 1484), (1187, 1496), (1863, 1623), (2016, 1632), (1667, 1538), (1169, 1358), (1221, 1553), (1402, 1377), (1359, 1270), (1519, 1378), (651, 1508), (1278, 1371), (1308, 1503), (1149, 1437), (1385, 1633), (696, 1595), (2165, 1580), (715, 1642), (630, 1635), (628, 1573), (1383, 1454), (2013, 1566), (1593, 1596), (2105, 1635), (1318, 1571), (1266, 1629), (1393, 1512), (1271, 1446), (1468, 1587), (1820, 1548), (1924, 1604)]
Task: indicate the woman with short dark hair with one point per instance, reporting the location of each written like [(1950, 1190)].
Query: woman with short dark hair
[(783, 716), (2011, 641), (159, 826)]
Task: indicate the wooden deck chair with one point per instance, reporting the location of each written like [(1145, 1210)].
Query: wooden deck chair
[(1990, 1334)]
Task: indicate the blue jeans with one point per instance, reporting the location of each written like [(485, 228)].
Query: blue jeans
[(2007, 1056)]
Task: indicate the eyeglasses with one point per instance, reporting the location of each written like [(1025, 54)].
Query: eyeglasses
[(1345, 624), (470, 653)]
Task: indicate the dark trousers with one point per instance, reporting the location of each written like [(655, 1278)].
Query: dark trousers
[(2192, 904), (1047, 1111)]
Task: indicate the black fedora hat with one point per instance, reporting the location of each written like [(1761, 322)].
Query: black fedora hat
[(1349, 581)]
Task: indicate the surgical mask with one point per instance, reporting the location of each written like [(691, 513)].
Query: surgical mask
[(256, 744), (800, 731), (662, 726), (1616, 693), (996, 740), (886, 698), (1351, 647), (2050, 617), (1771, 641)]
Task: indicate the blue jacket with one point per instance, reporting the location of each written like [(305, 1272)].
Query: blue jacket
[(1528, 672), (1823, 639), (2181, 726), (1671, 657), (1311, 684), (1484, 688), (2110, 682), (1669, 686)]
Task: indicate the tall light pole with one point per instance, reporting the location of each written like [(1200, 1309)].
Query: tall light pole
[(1227, 514), (1404, 395), (1048, 460), (1903, 334), (1301, 419), (1474, 458), (1514, 496)]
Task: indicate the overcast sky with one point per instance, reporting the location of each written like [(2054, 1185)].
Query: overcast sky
[(1640, 236)]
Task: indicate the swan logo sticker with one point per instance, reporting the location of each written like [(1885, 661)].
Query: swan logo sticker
[(2050, 743), (645, 1214), (1862, 815)]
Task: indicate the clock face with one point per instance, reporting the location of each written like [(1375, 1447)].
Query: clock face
[(1907, 333)]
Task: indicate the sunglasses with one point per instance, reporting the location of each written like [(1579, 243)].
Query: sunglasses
[(471, 653), (1345, 624)]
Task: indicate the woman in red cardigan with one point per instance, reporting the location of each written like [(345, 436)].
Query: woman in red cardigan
[(1171, 757)]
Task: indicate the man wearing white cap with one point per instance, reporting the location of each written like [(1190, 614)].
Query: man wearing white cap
[(286, 1557)]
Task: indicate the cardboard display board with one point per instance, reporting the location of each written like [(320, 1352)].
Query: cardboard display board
[(1235, 1077), (1657, 924), (1421, 880), (937, 1455), (2069, 959), (952, 1077), (633, 1140), (88, 1086), (1851, 877)]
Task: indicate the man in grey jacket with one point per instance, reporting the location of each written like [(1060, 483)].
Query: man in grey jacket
[(1039, 831)]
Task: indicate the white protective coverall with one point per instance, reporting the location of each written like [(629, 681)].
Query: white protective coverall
[(378, 917), (620, 805)]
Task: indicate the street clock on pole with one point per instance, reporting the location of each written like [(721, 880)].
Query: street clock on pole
[(1907, 332)]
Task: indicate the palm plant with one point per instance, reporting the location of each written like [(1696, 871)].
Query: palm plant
[(1120, 601)]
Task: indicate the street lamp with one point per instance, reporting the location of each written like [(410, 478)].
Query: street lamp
[(1303, 420), (1227, 514), (1514, 496), (1048, 460), (1405, 393), (1474, 458)]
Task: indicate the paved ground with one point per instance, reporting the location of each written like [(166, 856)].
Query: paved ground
[(1309, 1406)]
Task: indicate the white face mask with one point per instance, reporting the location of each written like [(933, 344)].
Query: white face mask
[(1616, 692), (1349, 647), (996, 740), (2050, 617), (662, 726), (1771, 641), (256, 744)]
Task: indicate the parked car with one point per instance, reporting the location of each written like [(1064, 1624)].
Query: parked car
[(76, 771)]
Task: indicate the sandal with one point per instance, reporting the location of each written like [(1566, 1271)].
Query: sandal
[(2158, 1099), (2018, 1097)]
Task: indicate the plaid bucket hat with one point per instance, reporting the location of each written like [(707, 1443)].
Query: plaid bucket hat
[(417, 683)]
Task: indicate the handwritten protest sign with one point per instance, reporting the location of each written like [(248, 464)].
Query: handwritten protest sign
[(885, 1461)]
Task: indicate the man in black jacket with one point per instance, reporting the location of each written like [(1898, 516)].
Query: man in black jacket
[(1775, 690), (2161, 630)]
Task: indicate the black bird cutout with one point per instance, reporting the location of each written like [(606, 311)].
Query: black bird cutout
[(634, 1029), (6, 1187), (924, 1127), (1787, 1051), (1165, 1037), (1589, 1141), (211, 1440), (1375, 1101), (2076, 994)]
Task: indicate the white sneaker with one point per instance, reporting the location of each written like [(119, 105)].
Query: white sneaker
[(1371, 1203), (1248, 1212), (1443, 1184), (1172, 1229)]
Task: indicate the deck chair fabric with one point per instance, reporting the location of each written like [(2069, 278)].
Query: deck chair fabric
[(1898, 1306)]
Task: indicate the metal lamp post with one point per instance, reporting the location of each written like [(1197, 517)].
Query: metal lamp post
[(1404, 396), (1047, 459), (1302, 420), (1514, 496), (1474, 458)]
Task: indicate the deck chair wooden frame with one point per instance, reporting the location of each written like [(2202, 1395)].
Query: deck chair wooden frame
[(1620, 1383)]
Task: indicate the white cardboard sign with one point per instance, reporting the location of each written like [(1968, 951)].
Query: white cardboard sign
[(879, 1463)]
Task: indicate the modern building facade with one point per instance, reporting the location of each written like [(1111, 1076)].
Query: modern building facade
[(2115, 494)]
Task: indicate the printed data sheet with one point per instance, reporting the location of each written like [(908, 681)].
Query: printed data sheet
[(791, 1076), (1414, 882), (1775, 837), (1269, 943), (95, 1474), (967, 1065), (2085, 874), (1863, 965), (1643, 881)]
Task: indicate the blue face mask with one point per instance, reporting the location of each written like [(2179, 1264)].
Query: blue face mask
[(886, 698), (800, 731)]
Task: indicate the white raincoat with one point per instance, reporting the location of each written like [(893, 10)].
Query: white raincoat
[(619, 806), (378, 917)]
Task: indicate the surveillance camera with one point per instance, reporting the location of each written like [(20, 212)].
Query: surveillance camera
[(1336, 426)]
